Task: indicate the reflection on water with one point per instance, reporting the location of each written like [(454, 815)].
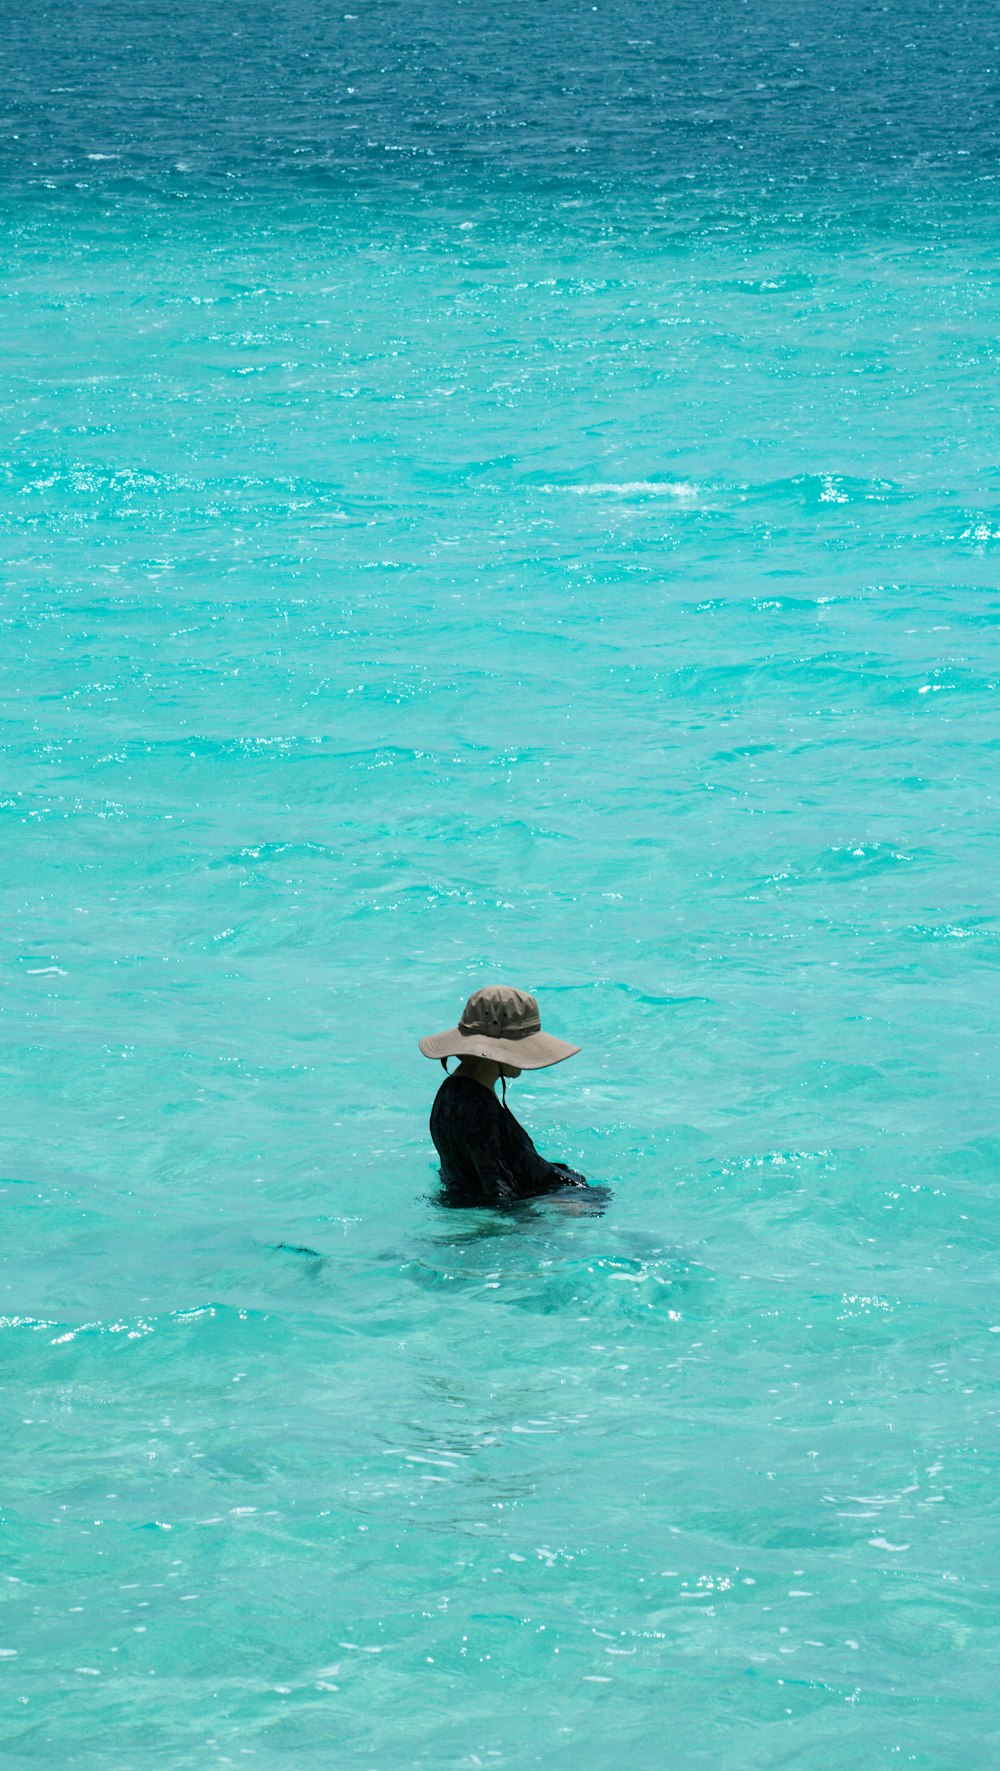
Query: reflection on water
[(546, 1261), (573, 1202)]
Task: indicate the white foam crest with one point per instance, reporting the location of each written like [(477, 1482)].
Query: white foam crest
[(631, 489)]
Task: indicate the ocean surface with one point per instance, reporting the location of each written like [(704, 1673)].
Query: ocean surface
[(499, 494)]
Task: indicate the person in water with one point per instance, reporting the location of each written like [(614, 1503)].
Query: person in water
[(487, 1158)]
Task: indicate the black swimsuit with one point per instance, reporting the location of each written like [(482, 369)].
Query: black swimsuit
[(487, 1158)]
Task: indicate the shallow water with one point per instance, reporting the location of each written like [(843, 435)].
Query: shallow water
[(587, 584)]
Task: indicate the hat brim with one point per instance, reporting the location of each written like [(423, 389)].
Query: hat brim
[(536, 1052)]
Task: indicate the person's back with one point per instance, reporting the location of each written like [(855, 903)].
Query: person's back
[(487, 1157)]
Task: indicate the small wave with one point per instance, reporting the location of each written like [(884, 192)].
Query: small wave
[(630, 489)]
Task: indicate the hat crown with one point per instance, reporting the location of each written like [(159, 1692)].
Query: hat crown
[(500, 1012)]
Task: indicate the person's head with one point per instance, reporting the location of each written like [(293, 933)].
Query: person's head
[(500, 1026)]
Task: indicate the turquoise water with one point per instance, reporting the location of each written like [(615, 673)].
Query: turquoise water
[(588, 586)]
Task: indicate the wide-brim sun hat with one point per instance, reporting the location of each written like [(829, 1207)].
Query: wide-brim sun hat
[(501, 1024)]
